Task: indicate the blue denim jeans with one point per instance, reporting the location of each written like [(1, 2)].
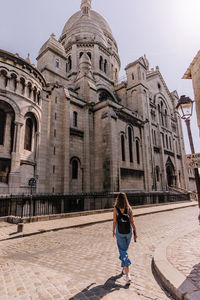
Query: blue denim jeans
[(123, 242)]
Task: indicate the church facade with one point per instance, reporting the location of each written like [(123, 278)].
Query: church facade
[(70, 124)]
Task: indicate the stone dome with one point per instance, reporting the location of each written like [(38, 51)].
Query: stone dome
[(91, 27)]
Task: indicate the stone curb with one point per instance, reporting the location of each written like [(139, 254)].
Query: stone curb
[(175, 282), (163, 209)]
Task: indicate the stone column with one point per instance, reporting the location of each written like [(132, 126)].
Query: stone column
[(36, 154), (66, 135), (86, 155), (14, 176)]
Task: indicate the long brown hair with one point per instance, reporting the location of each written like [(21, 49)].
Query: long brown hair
[(122, 201)]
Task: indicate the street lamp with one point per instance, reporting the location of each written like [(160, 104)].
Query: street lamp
[(185, 108)]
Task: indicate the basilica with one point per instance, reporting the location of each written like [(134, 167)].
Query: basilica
[(74, 127)]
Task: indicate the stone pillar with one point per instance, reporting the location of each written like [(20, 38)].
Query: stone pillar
[(36, 154), (86, 155), (8, 87), (66, 135), (14, 176)]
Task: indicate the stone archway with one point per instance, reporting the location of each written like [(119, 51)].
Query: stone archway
[(170, 173)]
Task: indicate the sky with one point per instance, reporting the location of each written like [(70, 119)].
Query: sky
[(168, 32)]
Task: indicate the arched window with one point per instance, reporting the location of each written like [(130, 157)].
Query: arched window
[(2, 126), (81, 53), (4, 73), (34, 94), (105, 95), (100, 62), (57, 63), (38, 98), (75, 119), (123, 147), (14, 81), (28, 135), (162, 118), (29, 89), (130, 144), (105, 66), (22, 84), (159, 113), (137, 151), (74, 169)]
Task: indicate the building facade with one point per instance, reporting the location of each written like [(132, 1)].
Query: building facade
[(70, 124), (193, 72)]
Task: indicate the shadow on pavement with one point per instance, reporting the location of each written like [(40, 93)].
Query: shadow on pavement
[(194, 276), (101, 290)]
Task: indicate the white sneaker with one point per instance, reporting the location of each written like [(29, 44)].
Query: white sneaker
[(128, 279)]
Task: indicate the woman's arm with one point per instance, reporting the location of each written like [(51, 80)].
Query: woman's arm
[(133, 225), (114, 221)]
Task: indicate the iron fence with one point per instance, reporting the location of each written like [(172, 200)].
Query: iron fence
[(38, 205)]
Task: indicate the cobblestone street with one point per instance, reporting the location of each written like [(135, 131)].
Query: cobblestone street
[(82, 263)]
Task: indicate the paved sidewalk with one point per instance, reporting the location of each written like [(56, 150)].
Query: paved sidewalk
[(178, 254), (9, 231), (177, 264)]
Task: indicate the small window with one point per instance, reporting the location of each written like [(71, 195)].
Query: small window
[(57, 63), (55, 116), (74, 169), (133, 77), (137, 151), (157, 174), (123, 148), (54, 150), (56, 100), (163, 139), (54, 169), (34, 94), (54, 132), (22, 84), (69, 61), (105, 66), (29, 90), (38, 98), (130, 144), (159, 86), (100, 62), (75, 119), (85, 10)]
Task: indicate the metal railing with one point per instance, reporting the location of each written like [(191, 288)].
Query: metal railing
[(38, 205)]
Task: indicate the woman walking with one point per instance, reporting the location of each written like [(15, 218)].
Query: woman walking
[(123, 229)]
